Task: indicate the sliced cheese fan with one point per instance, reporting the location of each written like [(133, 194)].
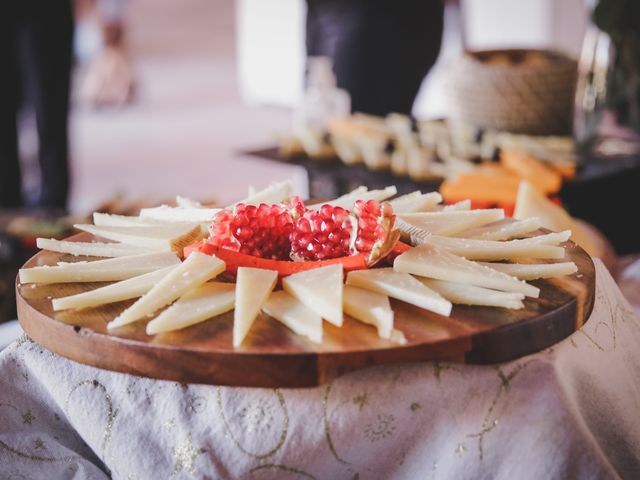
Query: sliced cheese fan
[(295, 315), (319, 289), (253, 286), (369, 307)]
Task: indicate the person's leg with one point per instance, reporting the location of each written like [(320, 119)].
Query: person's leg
[(50, 35), (381, 50), (10, 178)]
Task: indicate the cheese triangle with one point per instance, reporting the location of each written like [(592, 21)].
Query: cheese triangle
[(450, 222), (169, 237), (167, 214), (401, 286), (534, 271), (503, 230), (253, 286), (320, 289), (110, 270), (348, 201), (90, 249), (274, 193), (415, 202), (472, 295), (112, 220), (431, 262), (295, 315), (369, 307), (195, 306), (116, 292), (194, 271)]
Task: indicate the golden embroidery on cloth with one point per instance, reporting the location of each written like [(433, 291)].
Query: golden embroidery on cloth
[(282, 468), (185, 455)]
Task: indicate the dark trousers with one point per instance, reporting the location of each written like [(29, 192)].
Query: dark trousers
[(381, 49), (35, 65)]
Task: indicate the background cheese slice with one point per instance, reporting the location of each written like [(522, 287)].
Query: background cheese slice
[(369, 307), (165, 213), (195, 306), (348, 201), (274, 193), (415, 202), (186, 202), (111, 220), (116, 292), (534, 271), (473, 249), (431, 262), (473, 295), (401, 286), (320, 289), (503, 230), (462, 205), (451, 222), (155, 237), (295, 315), (91, 249), (253, 286), (194, 271), (110, 270)]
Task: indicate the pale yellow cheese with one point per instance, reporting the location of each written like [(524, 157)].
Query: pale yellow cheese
[(110, 270), (195, 306), (274, 193), (534, 271), (295, 315), (401, 286), (116, 292), (320, 289), (462, 205), (111, 220), (369, 307), (451, 222), (348, 201), (459, 293), (168, 214), (194, 271), (154, 237), (90, 249), (502, 230), (431, 262), (473, 249), (253, 287), (415, 202)]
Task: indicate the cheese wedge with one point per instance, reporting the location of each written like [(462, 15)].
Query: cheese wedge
[(206, 301), (348, 201), (473, 249), (186, 202), (274, 193), (320, 289), (110, 220), (472, 295), (167, 214), (450, 222), (462, 205), (110, 270), (116, 292), (534, 271), (431, 262), (399, 285), (415, 202), (295, 315), (369, 307), (171, 237), (503, 230), (253, 287), (193, 272), (90, 249), (532, 203)]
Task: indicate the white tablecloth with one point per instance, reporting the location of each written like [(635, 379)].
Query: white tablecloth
[(572, 411)]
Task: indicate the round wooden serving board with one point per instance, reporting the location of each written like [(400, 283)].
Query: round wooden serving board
[(273, 356)]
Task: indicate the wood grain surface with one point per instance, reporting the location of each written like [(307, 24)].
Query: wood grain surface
[(273, 356)]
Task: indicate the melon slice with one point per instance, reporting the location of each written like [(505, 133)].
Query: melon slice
[(459, 293), (320, 289), (206, 301), (295, 315), (90, 249), (253, 286), (110, 270), (369, 307), (116, 292), (170, 237), (401, 286), (532, 203), (431, 262), (534, 271), (531, 169), (194, 271)]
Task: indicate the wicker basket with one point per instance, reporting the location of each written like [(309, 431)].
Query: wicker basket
[(521, 91)]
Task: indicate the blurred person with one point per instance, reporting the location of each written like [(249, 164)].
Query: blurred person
[(35, 63), (381, 50)]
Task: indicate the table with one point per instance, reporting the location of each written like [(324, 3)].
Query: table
[(570, 411)]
